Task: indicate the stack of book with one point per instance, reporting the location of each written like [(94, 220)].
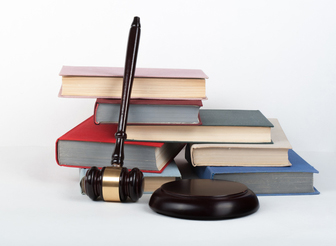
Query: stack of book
[(267, 169), (159, 97), (165, 114)]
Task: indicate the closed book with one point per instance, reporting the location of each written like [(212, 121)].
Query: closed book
[(106, 82), (296, 179), (89, 144), (275, 154), (219, 126), (142, 111), (153, 181)]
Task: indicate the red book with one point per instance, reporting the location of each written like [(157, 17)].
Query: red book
[(89, 144), (150, 112)]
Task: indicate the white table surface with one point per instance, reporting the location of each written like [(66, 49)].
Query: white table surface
[(41, 205)]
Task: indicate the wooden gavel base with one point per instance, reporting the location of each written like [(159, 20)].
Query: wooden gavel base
[(204, 199)]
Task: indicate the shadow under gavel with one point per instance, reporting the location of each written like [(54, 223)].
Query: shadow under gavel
[(115, 182)]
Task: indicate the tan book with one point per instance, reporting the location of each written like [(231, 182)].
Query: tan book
[(154, 181), (275, 154), (149, 83)]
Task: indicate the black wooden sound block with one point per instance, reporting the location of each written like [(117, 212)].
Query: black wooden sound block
[(204, 199)]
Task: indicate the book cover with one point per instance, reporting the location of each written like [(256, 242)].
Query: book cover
[(227, 117), (197, 103), (89, 144), (149, 112), (218, 126), (294, 179), (92, 71)]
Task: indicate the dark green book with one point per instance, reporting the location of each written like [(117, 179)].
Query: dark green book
[(218, 126)]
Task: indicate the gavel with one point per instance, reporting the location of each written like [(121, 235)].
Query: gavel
[(115, 182)]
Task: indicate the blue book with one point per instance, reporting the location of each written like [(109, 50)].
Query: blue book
[(296, 179)]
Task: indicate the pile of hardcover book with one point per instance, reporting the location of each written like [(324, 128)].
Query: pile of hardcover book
[(166, 115)]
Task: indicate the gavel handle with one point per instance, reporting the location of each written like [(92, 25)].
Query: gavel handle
[(129, 69)]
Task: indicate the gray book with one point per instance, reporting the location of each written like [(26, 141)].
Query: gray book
[(180, 112), (218, 126)]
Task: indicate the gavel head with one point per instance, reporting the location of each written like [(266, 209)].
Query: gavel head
[(113, 184)]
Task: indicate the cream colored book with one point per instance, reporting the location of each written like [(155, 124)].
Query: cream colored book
[(275, 154), (149, 83)]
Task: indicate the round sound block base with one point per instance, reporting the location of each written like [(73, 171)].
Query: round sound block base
[(204, 199)]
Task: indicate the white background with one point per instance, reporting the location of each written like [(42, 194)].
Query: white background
[(275, 56)]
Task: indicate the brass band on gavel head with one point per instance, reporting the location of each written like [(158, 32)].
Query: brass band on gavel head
[(110, 184)]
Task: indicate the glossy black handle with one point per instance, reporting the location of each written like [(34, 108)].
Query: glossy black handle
[(129, 69)]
